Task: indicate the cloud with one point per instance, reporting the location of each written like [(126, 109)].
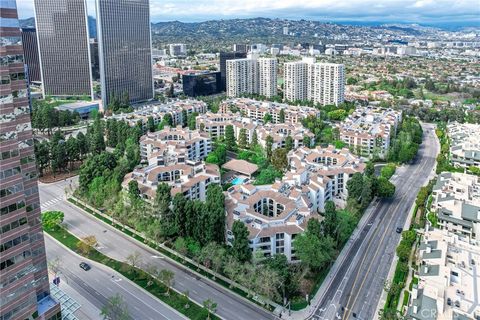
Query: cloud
[(419, 11)]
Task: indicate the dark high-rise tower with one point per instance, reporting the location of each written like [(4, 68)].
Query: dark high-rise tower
[(224, 56), (62, 33), (24, 286), (30, 52), (124, 46)]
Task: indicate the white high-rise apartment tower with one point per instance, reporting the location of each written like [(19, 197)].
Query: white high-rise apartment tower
[(251, 75), (322, 83)]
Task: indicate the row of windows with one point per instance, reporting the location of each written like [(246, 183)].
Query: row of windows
[(10, 41), (11, 314), (14, 242), (9, 172), (13, 207), (11, 58), (11, 190), (9, 154), (17, 276), (13, 225), (13, 260), (27, 159)]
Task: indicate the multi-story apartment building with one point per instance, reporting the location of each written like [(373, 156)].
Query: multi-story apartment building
[(177, 49), (125, 49), (275, 214), (30, 52), (367, 131), (24, 285), (322, 83), (257, 110), (456, 202), (174, 156), (64, 51), (447, 280), (215, 125), (224, 56), (178, 110), (464, 144), (251, 75), (194, 144), (336, 165)]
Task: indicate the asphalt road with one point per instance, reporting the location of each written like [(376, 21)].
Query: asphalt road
[(355, 289), (100, 283), (118, 246)]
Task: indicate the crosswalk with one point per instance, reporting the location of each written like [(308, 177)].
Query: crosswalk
[(47, 204)]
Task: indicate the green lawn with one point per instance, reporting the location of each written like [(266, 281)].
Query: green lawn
[(136, 275)]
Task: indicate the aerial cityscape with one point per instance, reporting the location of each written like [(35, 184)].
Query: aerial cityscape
[(246, 160)]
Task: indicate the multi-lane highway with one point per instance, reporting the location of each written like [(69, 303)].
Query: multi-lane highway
[(354, 287), (118, 246), (99, 283)]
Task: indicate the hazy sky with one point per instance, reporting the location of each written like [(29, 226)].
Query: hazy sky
[(419, 11)]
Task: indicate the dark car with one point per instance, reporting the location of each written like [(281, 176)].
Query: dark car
[(85, 266), (399, 229)]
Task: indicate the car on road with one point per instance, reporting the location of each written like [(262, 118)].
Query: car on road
[(85, 266), (399, 229)]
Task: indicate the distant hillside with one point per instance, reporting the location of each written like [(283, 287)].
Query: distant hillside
[(92, 25)]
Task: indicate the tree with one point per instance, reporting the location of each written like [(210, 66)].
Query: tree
[(314, 249), (167, 277), (330, 223), (369, 169), (281, 116), (267, 118), (355, 186), (42, 155), (385, 189), (86, 245), (241, 249), (254, 142), (179, 211), (268, 147), (279, 159), (51, 219), (242, 138), (210, 306), (115, 309), (54, 265), (170, 92), (133, 190), (289, 143), (150, 124), (230, 137), (307, 142), (133, 260)]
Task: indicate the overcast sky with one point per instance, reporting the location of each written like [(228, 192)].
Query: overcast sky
[(418, 11)]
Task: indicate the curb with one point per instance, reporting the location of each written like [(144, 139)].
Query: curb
[(115, 271)]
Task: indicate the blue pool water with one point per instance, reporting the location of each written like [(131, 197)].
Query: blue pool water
[(237, 180)]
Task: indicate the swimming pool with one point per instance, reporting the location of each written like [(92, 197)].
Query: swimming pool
[(238, 180)]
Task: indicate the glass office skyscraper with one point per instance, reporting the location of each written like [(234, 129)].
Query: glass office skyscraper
[(24, 287), (124, 46), (63, 43)]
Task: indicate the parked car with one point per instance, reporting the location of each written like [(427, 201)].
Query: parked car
[(85, 266), (399, 229)]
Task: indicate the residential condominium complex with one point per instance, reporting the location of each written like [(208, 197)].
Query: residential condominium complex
[(251, 75), (125, 49), (24, 285), (215, 125), (224, 56), (367, 131), (448, 279), (464, 144), (276, 214), (64, 50), (257, 110), (456, 202), (178, 110), (322, 83), (174, 157)]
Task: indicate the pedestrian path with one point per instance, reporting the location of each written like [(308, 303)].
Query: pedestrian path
[(47, 204)]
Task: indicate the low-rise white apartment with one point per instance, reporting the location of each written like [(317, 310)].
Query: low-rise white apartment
[(322, 83), (177, 110), (215, 125), (251, 75), (276, 214), (464, 144), (449, 279), (367, 131), (256, 110), (456, 202), (174, 156)]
